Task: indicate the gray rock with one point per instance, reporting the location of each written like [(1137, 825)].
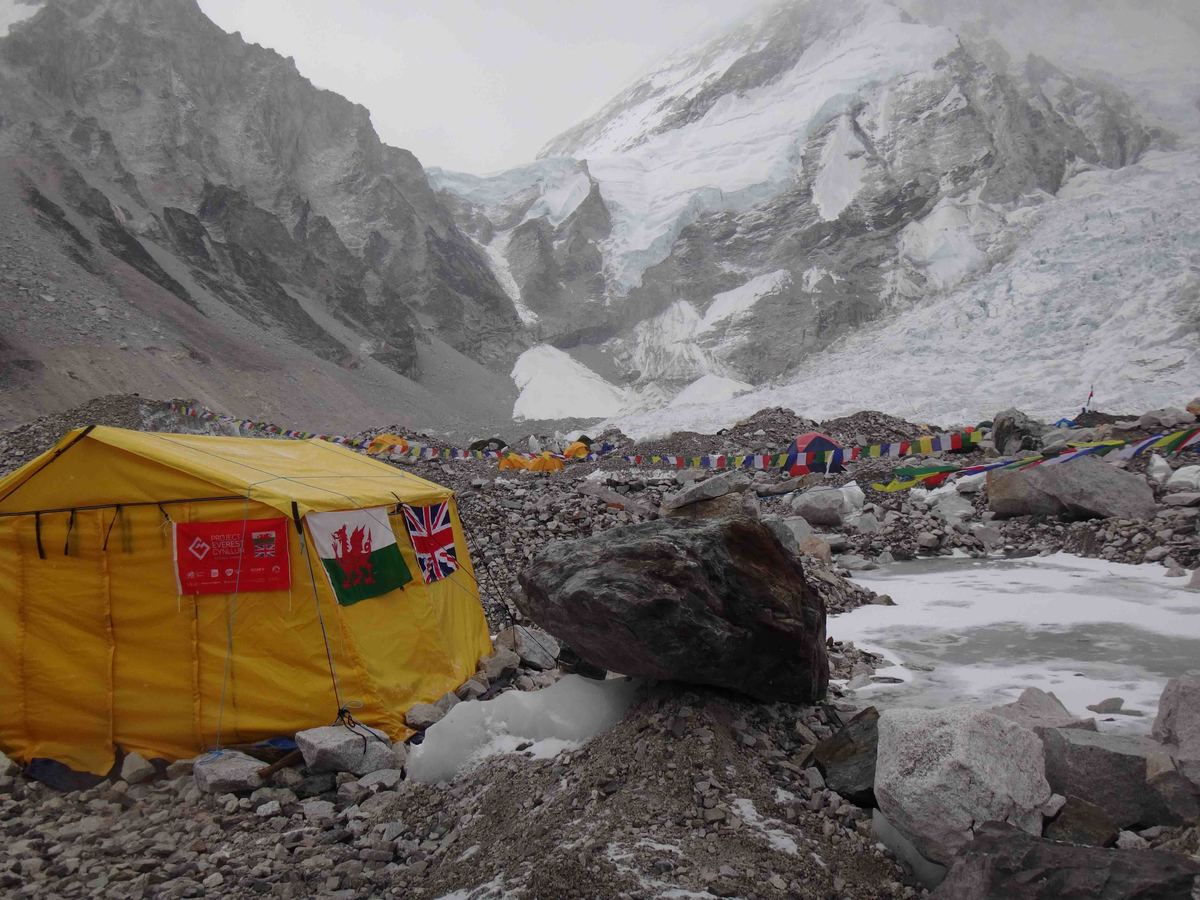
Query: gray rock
[(855, 563), (790, 531), (820, 506), (720, 603), (385, 779), (318, 810), (928, 540), (952, 508), (1003, 862), (447, 701), (1085, 823), (1106, 769), (422, 715), (180, 768), (847, 759), (472, 689), (537, 649), (1037, 710), (709, 489), (817, 548), (1013, 431), (227, 772), (727, 506), (1128, 840), (791, 485), (135, 769), (1178, 719), (499, 664), (988, 535), (864, 522), (940, 772), (1182, 500), (1185, 480), (1107, 707), (926, 871), (269, 809), (1167, 417), (1084, 488), (336, 748)]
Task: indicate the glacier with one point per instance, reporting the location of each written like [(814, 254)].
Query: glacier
[(1103, 289)]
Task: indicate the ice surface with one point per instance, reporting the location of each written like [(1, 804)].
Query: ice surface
[(730, 305), (1101, 290), (561, 716), (553, 188), (1083, 628), (14, 11), (843, 164), (554, 385), (501, 269), (710, 389)]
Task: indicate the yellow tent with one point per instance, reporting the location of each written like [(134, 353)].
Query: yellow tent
[(386, 443), (514, 462), (98, 649), (577, 450), (546, 463)]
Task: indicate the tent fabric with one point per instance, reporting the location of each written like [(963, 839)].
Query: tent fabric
[(101, 652), (812, 442), (546, 463), (577, 450), (514, 463)]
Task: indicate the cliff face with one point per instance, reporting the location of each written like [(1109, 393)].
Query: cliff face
[(276, 197)]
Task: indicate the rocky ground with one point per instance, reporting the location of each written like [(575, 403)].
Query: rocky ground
[(697, 792)]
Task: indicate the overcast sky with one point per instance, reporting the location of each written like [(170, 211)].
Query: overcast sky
[(475, 85)]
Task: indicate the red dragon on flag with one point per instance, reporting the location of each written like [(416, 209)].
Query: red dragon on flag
[(353, 555)]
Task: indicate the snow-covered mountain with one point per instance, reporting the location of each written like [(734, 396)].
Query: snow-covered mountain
[(827, 172)]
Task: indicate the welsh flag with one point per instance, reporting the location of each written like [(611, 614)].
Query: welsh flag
[(359, 551)]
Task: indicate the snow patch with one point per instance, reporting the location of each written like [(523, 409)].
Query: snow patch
[(778, 838), (560, 717), (498, 262), (14, 11), (710, 389), (843, 165), (945, 244), (736, 303), (554, 385)]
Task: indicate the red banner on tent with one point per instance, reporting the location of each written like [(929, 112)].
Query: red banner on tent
[(232, 557)]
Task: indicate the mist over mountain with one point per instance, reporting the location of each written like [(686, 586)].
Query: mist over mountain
[(825, 201)]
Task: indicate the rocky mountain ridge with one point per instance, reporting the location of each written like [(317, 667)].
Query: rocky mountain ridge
[(140, 134)]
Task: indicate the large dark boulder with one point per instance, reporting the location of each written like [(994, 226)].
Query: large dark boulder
[(1084, 488), (847, 759), (710, 602), (1004, 863)]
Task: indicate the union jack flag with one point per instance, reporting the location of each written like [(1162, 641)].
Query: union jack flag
[(432, 538)]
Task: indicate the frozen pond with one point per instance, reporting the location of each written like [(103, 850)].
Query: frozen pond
[(980, 631)]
